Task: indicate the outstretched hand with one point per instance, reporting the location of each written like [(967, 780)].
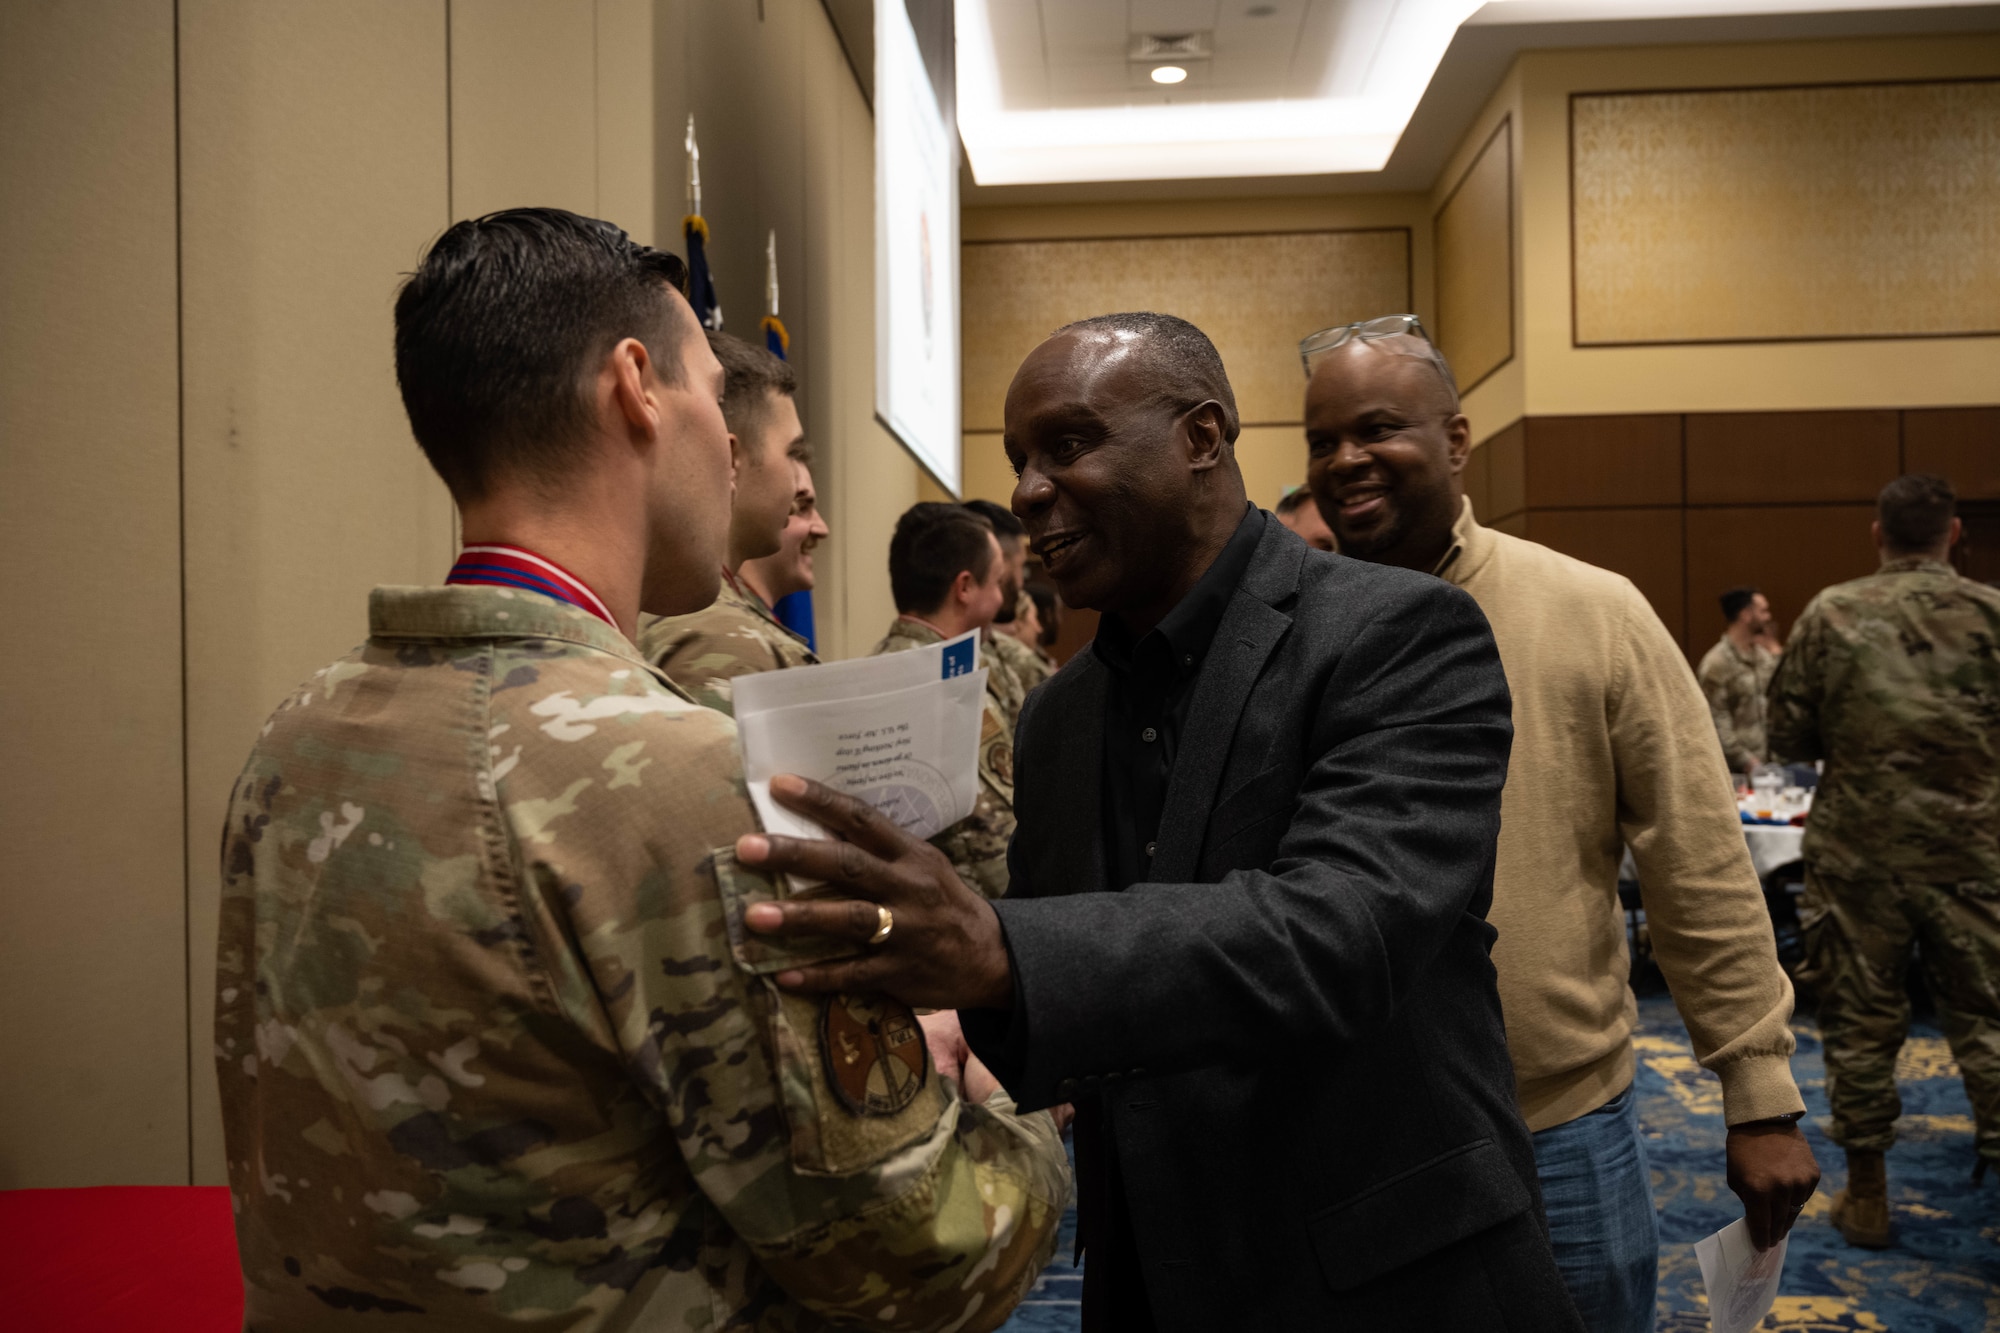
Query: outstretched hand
[(944, 950), (1771, 1168)]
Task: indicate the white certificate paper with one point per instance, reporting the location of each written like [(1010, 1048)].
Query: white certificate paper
[(900, 731), (1742, 1281)]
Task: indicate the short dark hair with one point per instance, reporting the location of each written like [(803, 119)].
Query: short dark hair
[(932, 545), (1005, 526), (750, 375), (502, 323), (1916, 510), (1735, 600), (1293, 500), (1187, 372)]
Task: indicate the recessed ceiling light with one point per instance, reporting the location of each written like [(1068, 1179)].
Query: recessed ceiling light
[(1168, 74)]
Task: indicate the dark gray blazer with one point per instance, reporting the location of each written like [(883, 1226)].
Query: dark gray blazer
[(1295, 1031)]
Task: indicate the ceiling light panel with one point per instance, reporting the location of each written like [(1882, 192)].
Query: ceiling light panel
[(1086, 131)]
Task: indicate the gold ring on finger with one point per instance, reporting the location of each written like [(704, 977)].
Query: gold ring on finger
[(884, 924)]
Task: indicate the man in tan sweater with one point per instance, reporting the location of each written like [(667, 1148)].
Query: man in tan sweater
[(1612, 746)]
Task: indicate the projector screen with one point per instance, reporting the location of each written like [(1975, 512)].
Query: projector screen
[(916, 253)]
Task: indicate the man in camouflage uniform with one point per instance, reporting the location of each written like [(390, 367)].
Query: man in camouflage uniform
[(1894, 680), (706, 650), (1735, 674), (947, 573), (1030, 665), (495, 1050), (1012, 667)]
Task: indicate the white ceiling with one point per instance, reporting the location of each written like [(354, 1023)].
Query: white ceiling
[(1309, 88)]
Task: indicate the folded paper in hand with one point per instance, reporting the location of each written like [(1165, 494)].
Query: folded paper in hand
[(899, 731), (1742, 1280)]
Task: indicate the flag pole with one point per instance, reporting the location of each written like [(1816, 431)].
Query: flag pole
[(775, 337), (701, 283)]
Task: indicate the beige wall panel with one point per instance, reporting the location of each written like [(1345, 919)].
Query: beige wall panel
[(1827, 212), (869, 476), (92, 945), (1475, 263), (987, 473), (1254, 295), (1273, 458), (1564, 379), (625, 122), (524, 107), (313, 174)]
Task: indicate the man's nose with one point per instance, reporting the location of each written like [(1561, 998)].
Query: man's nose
[(1031, 493), (1348, 457)]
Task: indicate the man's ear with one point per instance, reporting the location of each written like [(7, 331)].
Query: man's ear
[(1954, 532), (963, 587), (1458, 441), (635, 390), (1206, 430), (735, 457), (1875, 534)]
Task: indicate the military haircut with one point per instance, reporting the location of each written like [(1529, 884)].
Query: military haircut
[(1293, 500), (1916, 510), (1736, 599), (750, 375), (501, 328), (932, 545), (1184, 366), (1005, 526)]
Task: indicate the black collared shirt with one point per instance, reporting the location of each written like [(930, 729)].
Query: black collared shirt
[(1146, 705), (1145, 712)]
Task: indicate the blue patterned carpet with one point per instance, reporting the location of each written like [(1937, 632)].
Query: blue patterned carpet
[(1942, 1276)]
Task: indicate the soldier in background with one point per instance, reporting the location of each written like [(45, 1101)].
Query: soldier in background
[(1735, 674), (1036, 624), (494, 1048), (738, 634), (1894, 681), (1014, 668), (948, 575), (1298, 511)]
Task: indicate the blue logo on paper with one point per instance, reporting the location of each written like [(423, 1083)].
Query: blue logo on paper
[(960, 658)]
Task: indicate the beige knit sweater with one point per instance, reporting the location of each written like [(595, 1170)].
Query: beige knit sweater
[(1613, 745)]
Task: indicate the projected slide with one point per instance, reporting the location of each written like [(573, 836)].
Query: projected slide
[(916, 253)]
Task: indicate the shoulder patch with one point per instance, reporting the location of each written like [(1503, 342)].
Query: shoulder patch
[(873, 1051)]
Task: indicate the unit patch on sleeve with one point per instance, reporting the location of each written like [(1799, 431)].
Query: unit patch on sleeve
[(873, 1051)]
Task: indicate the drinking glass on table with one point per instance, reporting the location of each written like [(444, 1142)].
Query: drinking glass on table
[(1766, 782)]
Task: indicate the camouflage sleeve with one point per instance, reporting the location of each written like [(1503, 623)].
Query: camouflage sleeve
[(817, 1128), (1722, 712), (1792, 724), (706, 664)]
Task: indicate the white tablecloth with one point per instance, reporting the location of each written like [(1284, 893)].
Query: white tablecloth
[(1771, 846)]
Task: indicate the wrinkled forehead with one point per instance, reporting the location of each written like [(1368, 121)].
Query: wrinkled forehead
[(1400, 370)]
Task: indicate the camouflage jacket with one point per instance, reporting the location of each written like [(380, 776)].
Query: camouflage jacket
[(977, 844), (1735, 687), (496, 1052), (1027, 666), (1894, 680), (705, 651)]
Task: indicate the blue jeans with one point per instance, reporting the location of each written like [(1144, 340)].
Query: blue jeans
[(1598, 1192)]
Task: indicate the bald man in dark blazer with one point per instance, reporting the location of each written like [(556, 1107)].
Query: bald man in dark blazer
[(1246, 936)]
